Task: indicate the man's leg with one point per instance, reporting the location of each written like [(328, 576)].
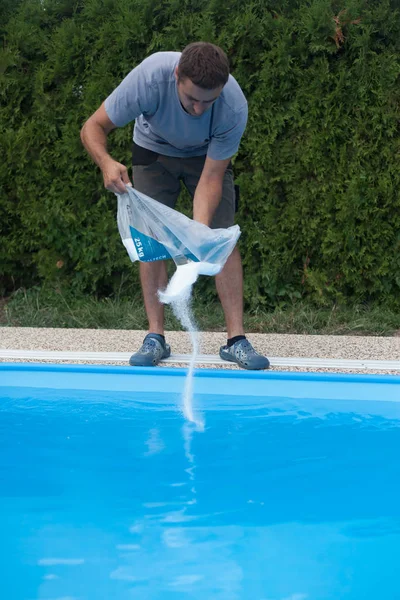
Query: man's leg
[(229, 285), (153, 277), (154, 176), (230, 281)]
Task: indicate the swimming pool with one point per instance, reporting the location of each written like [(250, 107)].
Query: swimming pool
[(291, 492)]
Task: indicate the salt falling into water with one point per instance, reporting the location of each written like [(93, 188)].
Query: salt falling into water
[(179, 295), (182, 310)]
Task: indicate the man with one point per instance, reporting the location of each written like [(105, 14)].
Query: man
[(190, 115)]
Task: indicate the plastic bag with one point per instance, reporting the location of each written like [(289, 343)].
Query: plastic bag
[(151, 231)]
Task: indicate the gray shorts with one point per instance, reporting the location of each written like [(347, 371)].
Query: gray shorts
[(160, 177)]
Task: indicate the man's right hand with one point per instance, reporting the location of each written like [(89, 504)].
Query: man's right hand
[(115, 176), (94, 137)]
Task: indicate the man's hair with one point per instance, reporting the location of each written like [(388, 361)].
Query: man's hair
[(206, 65)]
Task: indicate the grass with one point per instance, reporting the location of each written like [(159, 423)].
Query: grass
[(49, 308)]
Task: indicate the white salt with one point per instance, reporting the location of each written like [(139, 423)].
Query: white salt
[(183, 279), (179, 295)]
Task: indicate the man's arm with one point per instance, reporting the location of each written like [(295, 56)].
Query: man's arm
[(209, 190), (94, 137)]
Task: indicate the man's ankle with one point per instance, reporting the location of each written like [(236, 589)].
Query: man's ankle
[(235, 339), (152, 332)]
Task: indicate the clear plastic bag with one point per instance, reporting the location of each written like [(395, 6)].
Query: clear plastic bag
[(151, 231)]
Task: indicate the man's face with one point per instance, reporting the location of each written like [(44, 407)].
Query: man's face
[(195, 100)]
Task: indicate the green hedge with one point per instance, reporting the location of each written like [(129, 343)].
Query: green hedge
[(319, 165)]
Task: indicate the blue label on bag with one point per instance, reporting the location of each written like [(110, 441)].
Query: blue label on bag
[(147, 248), (150, 250)]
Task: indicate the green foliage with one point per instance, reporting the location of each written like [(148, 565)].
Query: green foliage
[(318, 165)]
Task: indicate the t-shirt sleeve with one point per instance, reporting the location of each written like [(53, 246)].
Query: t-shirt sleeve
[(225, 144), (136, 95)]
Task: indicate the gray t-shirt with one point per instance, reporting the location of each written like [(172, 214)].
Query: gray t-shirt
[(149, 95)]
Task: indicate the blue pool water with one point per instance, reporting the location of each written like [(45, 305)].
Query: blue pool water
[(292, 491)]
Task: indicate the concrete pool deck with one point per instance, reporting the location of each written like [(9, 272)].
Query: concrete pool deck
[(287, 352)]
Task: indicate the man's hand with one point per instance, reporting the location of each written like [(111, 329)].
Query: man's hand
[(115, 176), (94, 137)]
